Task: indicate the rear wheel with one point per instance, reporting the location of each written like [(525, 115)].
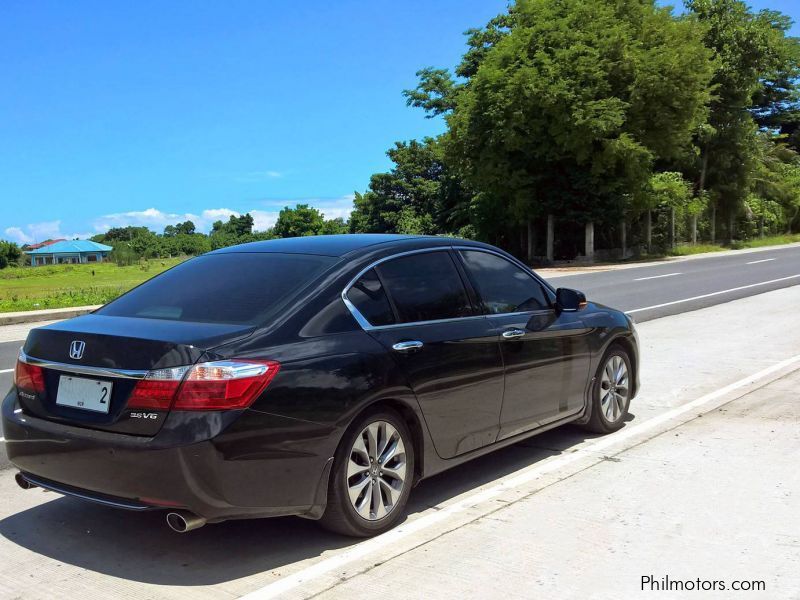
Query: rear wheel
[(372, 476), (611, 393)]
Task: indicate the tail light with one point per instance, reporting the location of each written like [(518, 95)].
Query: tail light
[(29, 378), (220, 385)]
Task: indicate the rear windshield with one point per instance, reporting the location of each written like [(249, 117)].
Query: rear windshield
[(240, 288)]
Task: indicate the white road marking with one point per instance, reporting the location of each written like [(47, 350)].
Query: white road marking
[(736, 289), (657, 276), (755, 262), (5, 371), (369, 547)]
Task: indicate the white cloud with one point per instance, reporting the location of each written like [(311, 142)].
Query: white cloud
[(256, 176), (15, 234), (263, 219), (157, 219), (334, 209), (39, 232)]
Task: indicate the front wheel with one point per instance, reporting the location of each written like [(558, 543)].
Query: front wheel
[(611, 393), (372, 476)]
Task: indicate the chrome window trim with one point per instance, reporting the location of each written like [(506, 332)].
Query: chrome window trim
[(513, 261), (83, 369), (367, 326)]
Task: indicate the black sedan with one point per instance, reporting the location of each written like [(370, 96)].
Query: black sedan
[(318, 376)]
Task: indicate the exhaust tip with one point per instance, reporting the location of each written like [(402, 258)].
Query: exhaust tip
[(23, 483), (183, 521)]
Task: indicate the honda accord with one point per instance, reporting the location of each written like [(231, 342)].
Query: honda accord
[(318, 376)]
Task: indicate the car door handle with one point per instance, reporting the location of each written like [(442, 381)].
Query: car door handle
[(513, 334), (405, 347)]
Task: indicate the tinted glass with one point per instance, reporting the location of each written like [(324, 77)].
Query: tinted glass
[(368, 296), (223, 288), (425, 287), (502, 285)]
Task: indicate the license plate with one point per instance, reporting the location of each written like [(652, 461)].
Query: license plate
[(87, 394)]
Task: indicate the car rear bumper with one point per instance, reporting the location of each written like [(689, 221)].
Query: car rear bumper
[(249, 469)]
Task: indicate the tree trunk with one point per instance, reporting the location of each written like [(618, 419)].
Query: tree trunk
[(694, 229), (531, 241), (624, 236), (714, 223), (731, 225), (649, 231), (672, 227), (589, 250), (761, 228), (704, 170), (550, 237)]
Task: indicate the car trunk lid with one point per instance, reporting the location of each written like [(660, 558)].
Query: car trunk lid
[(82, 356)]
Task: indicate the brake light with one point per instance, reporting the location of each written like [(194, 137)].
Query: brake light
[(220, 385), (29, 378), (157, 390)]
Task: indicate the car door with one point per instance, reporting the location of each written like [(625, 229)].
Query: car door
[(546, 354), (418, 307)]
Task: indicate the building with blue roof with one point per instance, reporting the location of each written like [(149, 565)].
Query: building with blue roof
[(69, 252)]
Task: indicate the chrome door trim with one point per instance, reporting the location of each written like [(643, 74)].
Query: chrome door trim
[(367, 326), (513, 334), (408, 346), (83, 369), (362, 320), (513, 261)]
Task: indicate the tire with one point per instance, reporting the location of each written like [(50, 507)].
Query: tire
[(611, 392), (380, 487)]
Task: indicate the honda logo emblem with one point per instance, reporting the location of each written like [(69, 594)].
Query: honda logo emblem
[(76, 349)]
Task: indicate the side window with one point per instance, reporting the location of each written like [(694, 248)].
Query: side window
[(502, 285), (425, 287), (368, 296)]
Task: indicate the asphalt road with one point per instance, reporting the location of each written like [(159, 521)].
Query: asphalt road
[(673, 287), (647, 292)]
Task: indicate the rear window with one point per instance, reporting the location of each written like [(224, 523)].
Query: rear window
[(240, 288)]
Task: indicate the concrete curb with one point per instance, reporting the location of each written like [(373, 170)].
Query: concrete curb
[(52, 314)]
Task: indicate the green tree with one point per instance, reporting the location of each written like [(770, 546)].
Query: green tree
[(10, 254), (568, 111), (419, 195), (334, 227), (185, 228), (756, 64), (299, 221), (236, 226)]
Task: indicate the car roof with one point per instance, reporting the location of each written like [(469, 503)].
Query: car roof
[(333, 245)]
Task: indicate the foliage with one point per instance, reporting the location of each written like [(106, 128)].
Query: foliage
[(756, 65), (420, 195), (569, 111), (10, 254)]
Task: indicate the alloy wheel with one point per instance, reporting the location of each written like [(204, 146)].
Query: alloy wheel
[(614, 388), (376, 470)]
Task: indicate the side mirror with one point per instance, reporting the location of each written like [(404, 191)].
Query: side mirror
[(568, 300)]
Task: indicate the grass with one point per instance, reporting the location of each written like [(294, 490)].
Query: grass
[(695, 249), (772, 240), (61, 286)]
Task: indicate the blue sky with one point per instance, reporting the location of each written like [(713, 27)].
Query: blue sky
[(146, 113)]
